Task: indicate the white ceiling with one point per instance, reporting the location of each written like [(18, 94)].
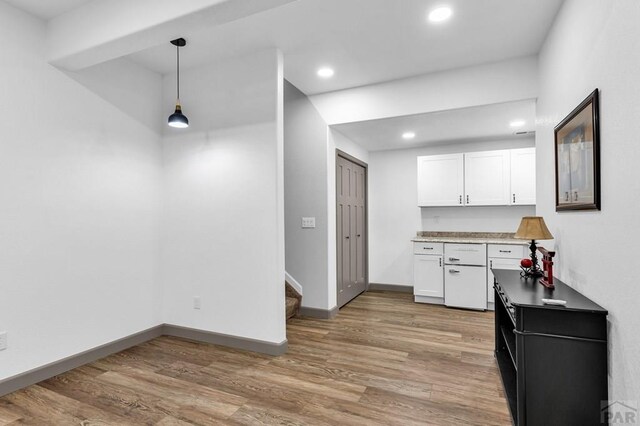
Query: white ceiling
[(366, 41), (369, 41), (46, 9), (466, 124)]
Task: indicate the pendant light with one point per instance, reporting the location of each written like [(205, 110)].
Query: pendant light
[(178, 119)]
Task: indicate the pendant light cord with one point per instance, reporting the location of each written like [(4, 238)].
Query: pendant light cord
[(178, 77)]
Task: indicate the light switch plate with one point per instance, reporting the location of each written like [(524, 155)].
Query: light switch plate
[(308, 222), (3, 340)]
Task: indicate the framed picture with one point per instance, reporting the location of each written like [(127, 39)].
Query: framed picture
[(577, 144)]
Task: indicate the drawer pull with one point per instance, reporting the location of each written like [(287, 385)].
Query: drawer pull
[(454, 259), (454, 271), (505, 251), (427, 248)]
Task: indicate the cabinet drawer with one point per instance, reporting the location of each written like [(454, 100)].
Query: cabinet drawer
[(510, 251), (465, 254), (428, 248)]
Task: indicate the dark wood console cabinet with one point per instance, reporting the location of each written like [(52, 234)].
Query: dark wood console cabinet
[(552, 359)]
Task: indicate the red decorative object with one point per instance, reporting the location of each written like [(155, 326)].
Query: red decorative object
[(547, 267), (526, 263)]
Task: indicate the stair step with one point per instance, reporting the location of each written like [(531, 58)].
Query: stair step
[(293, 305)]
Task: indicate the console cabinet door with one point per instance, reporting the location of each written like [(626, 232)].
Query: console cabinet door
[(428, 279), (523, 176), (441, 180), (487, 178)]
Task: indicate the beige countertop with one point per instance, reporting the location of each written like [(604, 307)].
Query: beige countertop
[(468, 238)]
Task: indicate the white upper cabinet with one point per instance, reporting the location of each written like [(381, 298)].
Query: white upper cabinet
[(523, 176), (487, 179), (441, 180)]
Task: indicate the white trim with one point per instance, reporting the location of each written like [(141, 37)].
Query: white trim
[(292, 281)]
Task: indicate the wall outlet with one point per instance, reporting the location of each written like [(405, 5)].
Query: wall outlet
[(3, 340), (308, 222), (197, 303)]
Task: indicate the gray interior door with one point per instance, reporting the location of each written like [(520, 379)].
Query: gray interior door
[(351, 229)]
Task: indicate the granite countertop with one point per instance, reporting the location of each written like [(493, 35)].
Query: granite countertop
[(468, 237)]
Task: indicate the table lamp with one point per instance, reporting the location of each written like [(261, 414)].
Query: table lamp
[(533, 228)]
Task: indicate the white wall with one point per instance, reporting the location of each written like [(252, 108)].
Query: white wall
[(223, 217), (139, 95), (305, 149), (79, 217), (486, 84), (344, 144), (593, 44), (395, 216)]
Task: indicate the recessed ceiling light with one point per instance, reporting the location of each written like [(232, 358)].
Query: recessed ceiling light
[(440, 14), (517, 123), (408, 135), (326, 72)]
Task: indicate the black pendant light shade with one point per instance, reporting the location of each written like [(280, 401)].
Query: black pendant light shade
[(178, 119)]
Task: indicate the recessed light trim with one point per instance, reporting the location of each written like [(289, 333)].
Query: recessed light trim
[(408, 135), (326, 72), (440, 14), (517, 123)]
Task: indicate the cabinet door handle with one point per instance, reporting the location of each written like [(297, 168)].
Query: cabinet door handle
[(566, 196), (576, 195), (454, 271), (347, 237), (461, 199), (440, 262), (454, 259), (467, 199), (491, 264), (358, 235), (514, 198)]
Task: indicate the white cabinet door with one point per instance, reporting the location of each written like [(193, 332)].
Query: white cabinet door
[(523, 176), (487, 180), (466, 286), (427, 276), (441, 180), (499, 263)]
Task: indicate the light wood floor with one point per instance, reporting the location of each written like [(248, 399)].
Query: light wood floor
[(384, 360)]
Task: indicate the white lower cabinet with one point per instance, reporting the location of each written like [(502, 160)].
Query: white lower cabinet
[(502, 257), (459, 275), (428, 280), (465, 287)]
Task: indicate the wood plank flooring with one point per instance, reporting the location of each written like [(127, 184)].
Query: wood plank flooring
[(384, 360)]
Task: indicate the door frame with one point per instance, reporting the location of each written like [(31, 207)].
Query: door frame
[(361, 163)]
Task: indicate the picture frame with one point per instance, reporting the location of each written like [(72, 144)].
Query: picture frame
[(577, 157)]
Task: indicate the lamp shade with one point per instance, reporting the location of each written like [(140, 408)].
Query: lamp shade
[(533, 228), (178, 119)]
